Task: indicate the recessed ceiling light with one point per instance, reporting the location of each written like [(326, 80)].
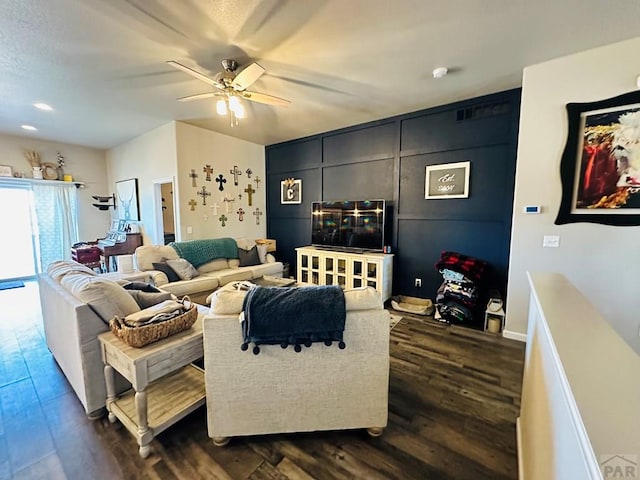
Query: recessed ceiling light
[(31, 128), (440, 72), (43, 106)]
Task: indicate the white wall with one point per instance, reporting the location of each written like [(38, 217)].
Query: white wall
[(602, 261), (148, 157), (197, 147), (86, 164)]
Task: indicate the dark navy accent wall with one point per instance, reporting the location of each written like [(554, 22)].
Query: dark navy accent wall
[(387, 159)]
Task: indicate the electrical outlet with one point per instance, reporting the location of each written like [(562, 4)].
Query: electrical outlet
[(418, 282)]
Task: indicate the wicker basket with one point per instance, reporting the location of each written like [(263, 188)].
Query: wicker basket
[(141, 336)]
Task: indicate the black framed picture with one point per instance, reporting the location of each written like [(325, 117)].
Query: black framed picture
[(600, 166), (449, 180), (290, 191), (127, 199)]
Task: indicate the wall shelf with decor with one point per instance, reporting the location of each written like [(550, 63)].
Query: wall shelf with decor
[(346, 269), (23, 181)]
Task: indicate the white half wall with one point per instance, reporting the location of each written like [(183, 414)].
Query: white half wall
[(600, 260), (147, 158), (87, 165), (198, 147)]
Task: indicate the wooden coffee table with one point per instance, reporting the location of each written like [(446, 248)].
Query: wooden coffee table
[(166, 387)]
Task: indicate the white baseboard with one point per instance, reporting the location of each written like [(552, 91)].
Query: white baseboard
[(519, 447), (521, 337)]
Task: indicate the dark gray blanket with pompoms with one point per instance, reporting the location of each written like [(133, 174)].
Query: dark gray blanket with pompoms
[(293, 316)]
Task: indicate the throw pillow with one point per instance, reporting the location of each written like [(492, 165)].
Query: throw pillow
[(172, 276), (248, 257), (227, 302), (145, 287), (60, 268), (183, 269), (105, 297), (262, 252), (148, 299)]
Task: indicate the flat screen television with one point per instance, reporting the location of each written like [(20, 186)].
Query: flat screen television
[(357, 225)]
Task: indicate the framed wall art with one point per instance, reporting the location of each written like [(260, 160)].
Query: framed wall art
[(6, 171), (127, 199), (291, 191), (449, 180), (600, 165)]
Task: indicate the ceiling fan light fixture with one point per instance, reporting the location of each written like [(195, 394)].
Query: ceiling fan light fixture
[(240, 112), (234, 103), (221, 107)]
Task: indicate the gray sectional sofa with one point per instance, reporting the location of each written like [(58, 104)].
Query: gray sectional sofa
[(213, 273), (77, 302)]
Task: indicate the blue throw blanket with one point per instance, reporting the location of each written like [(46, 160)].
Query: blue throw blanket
[(199, 252), (293, 316)]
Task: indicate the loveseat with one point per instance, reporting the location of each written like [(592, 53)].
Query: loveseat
[(280, 390), (224, 260)]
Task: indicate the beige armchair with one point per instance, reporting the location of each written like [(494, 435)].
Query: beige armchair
[(279, 390)]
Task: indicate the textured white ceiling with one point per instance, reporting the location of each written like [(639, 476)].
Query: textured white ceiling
[(101, 63)]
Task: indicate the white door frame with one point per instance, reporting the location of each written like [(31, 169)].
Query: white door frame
[(157, 206)]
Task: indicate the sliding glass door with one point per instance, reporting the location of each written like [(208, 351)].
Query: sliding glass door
[(17, 257)]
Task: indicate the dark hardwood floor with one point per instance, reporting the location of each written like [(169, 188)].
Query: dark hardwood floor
[(454, 398)]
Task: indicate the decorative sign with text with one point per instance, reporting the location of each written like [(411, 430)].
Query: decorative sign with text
[(450, 180)]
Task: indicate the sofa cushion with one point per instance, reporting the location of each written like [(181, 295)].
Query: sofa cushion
[(234, 274), (249, 257), (273, 268), (163, 267), (147, 254), (214, 265), (105, 297), (183, 269), (234, 263), (203, 283), (57, 270), (366, 298)]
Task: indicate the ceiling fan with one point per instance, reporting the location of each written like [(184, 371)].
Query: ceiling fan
[(232, 88)]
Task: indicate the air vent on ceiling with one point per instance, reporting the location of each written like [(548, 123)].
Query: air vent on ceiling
[(483, 111)]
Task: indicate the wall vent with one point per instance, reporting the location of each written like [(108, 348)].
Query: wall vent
[(483, 110)]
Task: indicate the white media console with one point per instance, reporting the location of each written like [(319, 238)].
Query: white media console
[(346, 269)]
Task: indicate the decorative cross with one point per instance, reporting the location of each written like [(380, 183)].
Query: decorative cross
[(192, 204), (193, 176), (235, 171), (257, 213), (249, 172), (204, 194), (241, 213), (228, 202), (250, 191), (220, 179), (208, 170), (223, 219), (215, 208), (257, 180)]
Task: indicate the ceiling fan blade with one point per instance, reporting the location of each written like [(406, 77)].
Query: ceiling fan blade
[(247, 76), (198, 96), (264, 98), (192, 72)]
